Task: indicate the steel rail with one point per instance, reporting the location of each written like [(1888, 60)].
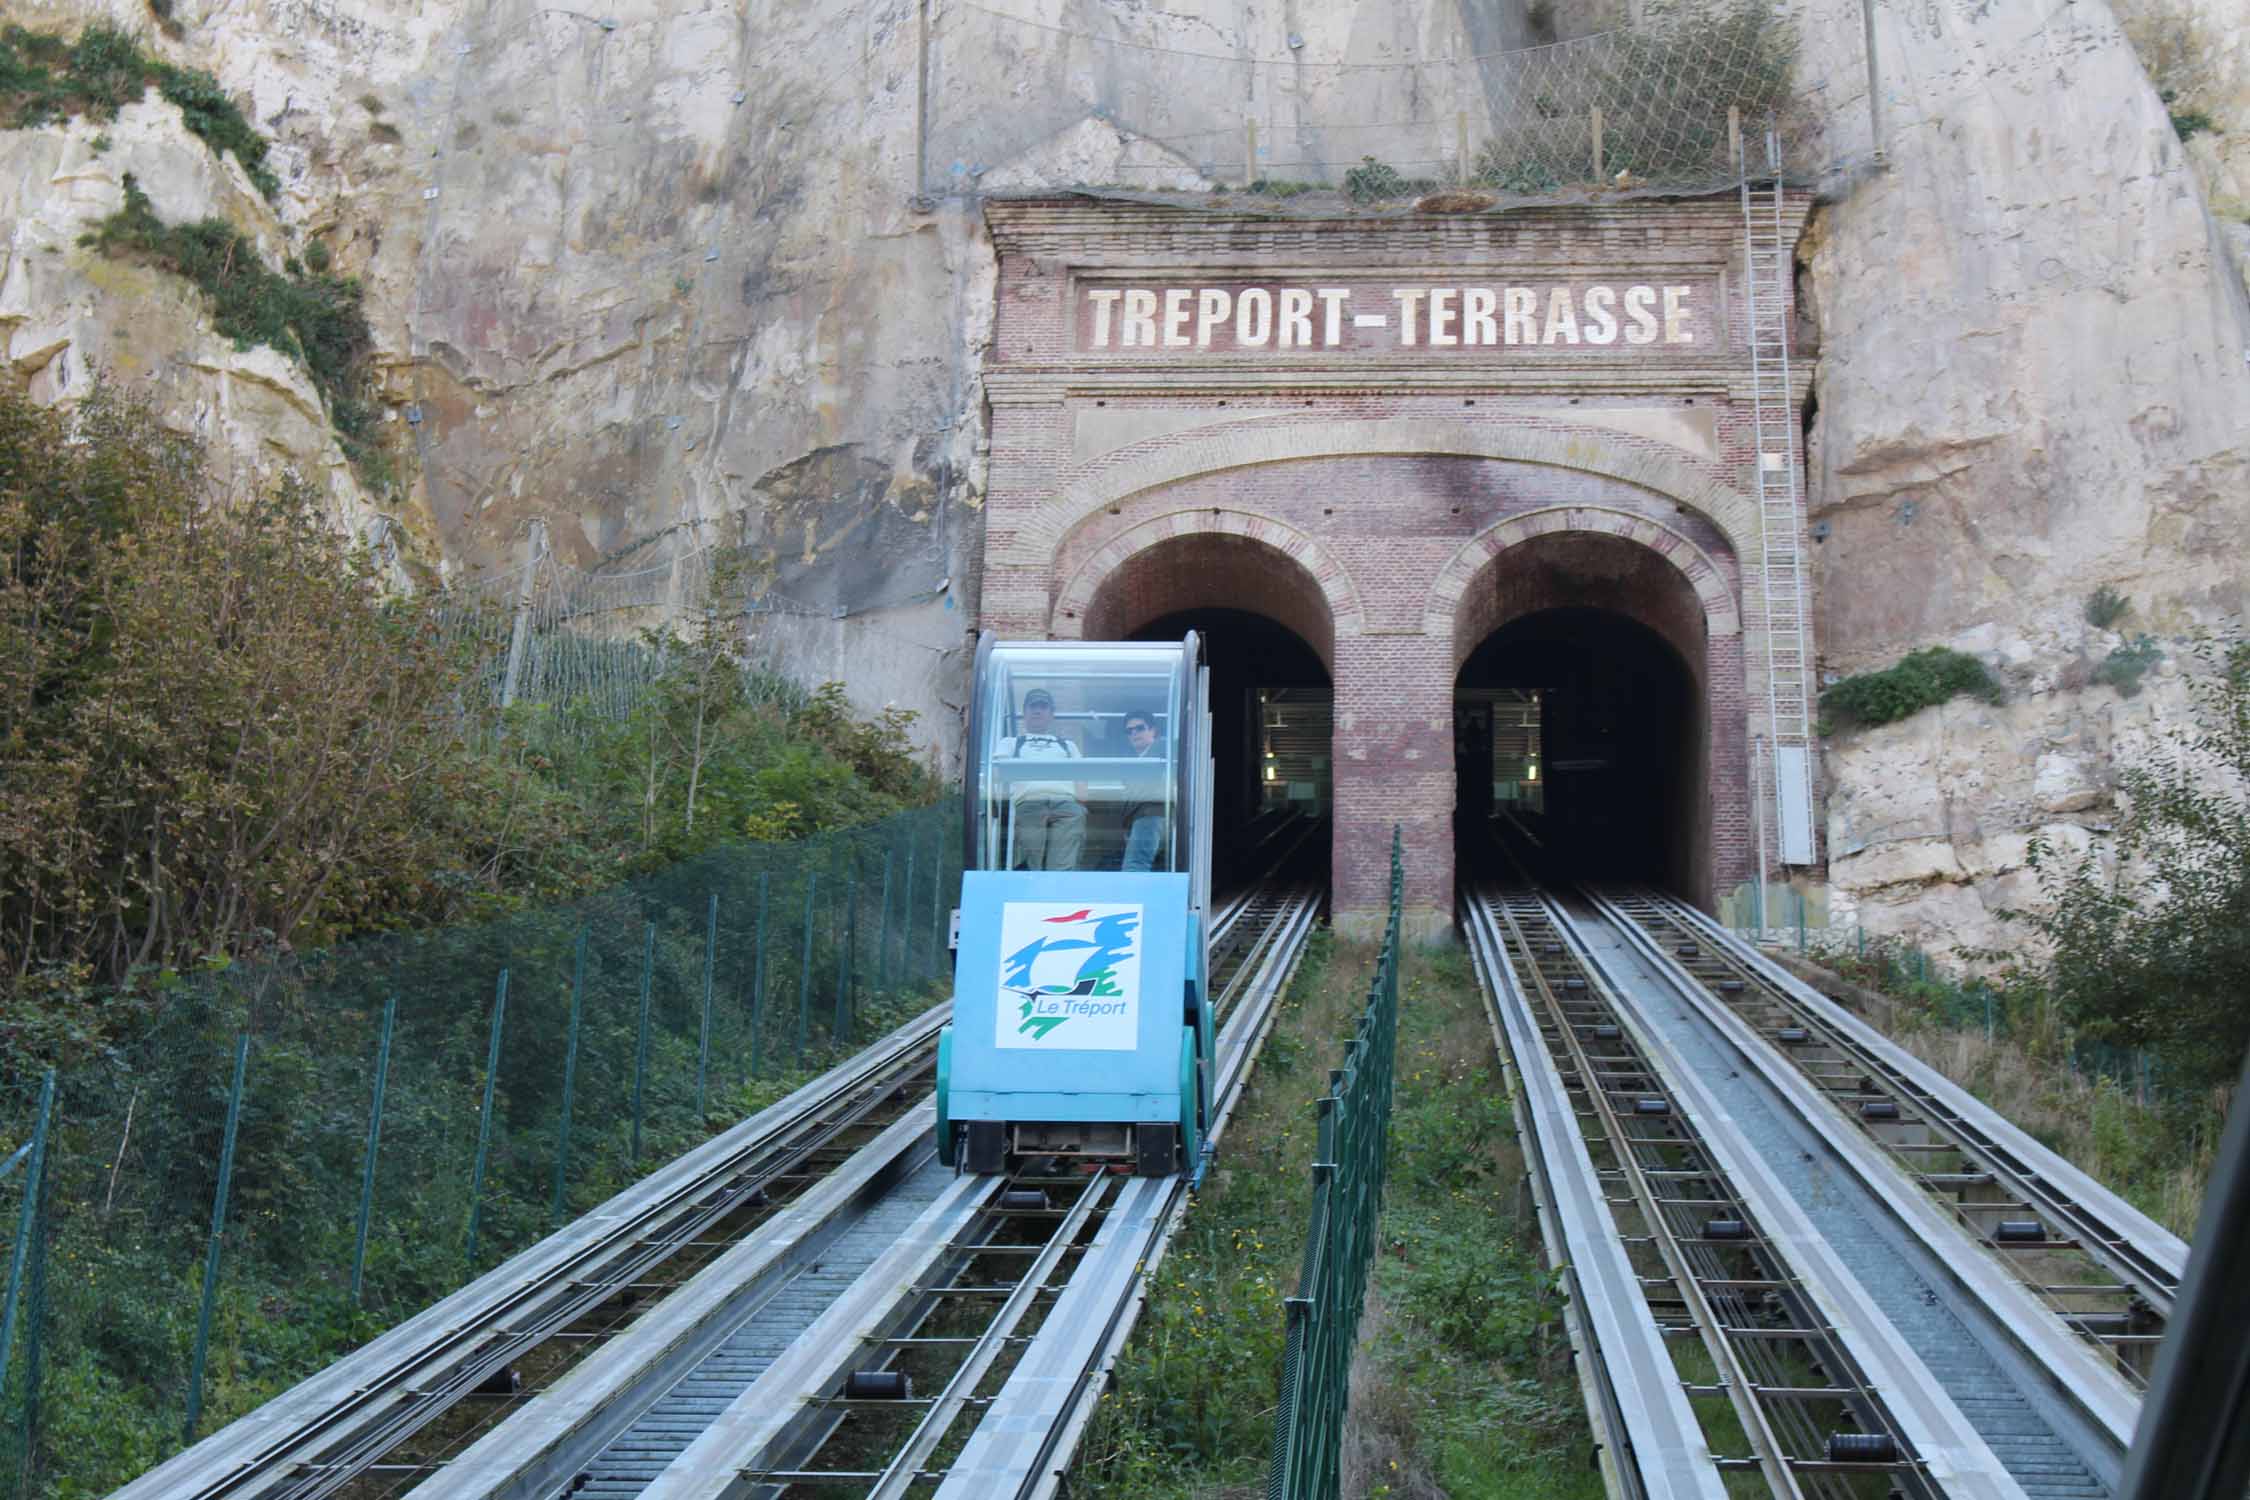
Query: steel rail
[(771, 1432), (545, 1444), (905, 1469), (1623, 1364), (2145, 1258), (1535, 942), (2012, 1400), (1729, 1291), (759, 1439), (2082, 1375), (316, 1437)]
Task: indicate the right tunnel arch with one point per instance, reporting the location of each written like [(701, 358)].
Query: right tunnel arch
[(1598, 699)]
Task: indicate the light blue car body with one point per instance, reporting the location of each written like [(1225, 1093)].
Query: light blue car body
[(1110, 960)]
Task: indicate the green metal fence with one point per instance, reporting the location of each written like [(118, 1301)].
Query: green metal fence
[(293, 1156), (1323, 1318)]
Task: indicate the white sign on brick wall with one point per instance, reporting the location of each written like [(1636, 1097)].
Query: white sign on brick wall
[(1526, 315)]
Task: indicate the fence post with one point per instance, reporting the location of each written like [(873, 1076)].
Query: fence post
[(758, 970), (937, 901), (703, 1038), (218, 1230), (484, 1117), (374, 1142), (570, 1080), (804, 972), (906, 917), (640, 1044), (1598, 173), (519, 637), (883, 932), (35, 1319), (34, 1173), (839, 1026)]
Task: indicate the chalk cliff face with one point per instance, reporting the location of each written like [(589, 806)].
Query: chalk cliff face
[(652, 275), (664, 276), (2032, 385)]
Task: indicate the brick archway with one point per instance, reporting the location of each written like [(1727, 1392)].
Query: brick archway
[(1633, 568), (1305, 558), (1643, 463), (1451, 596)]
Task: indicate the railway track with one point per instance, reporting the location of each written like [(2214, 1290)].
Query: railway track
[(566, 1295), (762, 1306), (1763, 1291), (2101, 1267)]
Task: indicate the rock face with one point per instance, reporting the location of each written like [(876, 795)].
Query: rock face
[(2197, 53), (2032, 385), (662, 278), (61, 306), (652, 277)]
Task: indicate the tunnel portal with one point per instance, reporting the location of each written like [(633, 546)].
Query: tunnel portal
[(1559, 533)]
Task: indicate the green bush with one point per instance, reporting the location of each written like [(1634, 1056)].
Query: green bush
[(218, 737), (1373, 179), (2105, 607), (2187, 124), (2150, 947), (1528, 175), (1922, 680), (44, 79), (2123, 668)]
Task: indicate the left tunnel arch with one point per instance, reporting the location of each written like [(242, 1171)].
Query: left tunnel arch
[(1270, 643)]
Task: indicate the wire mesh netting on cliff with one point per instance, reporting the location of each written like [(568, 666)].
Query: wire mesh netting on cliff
[(627, 1027), (1646, 105), (567, 637)]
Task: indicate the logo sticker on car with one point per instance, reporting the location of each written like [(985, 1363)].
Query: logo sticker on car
[(1070, 976)]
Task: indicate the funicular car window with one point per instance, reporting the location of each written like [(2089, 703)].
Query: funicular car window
[(1076, 751)]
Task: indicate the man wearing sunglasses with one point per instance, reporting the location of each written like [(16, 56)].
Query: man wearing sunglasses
[(1144, 820)]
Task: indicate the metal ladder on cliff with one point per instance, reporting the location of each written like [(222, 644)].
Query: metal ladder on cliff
[(1767, 257)]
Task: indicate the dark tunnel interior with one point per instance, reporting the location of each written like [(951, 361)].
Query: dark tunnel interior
[(1577, 740), (1270, 730)]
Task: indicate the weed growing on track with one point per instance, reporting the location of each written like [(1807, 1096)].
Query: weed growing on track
[(1190, 1411), (1462, 1385)]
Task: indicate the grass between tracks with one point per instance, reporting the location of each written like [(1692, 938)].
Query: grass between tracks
[(1462, 1385)]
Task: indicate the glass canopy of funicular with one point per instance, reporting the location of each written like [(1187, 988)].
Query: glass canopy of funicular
[(1052, 731)]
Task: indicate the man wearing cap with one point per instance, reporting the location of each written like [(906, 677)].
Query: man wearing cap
[(1050, 815)]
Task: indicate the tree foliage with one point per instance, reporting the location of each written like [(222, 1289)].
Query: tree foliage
[(2154, 951), (213, 725), (220, 734)]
